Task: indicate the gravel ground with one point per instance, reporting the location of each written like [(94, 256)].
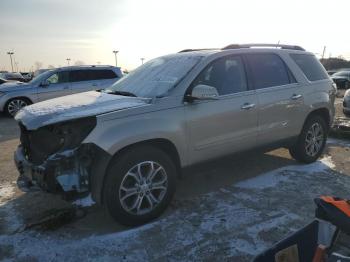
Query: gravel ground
[(226, 210)]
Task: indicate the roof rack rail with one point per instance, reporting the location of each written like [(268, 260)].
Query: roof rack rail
[(201, 49), (237, 46)]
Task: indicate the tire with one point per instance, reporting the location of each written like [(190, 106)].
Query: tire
[(14, 105), (125, 206), (308, 152)]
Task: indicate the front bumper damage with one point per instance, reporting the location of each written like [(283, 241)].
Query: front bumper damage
[(66, 171)]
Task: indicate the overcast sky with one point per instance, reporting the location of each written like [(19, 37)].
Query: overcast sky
[(50, 31)]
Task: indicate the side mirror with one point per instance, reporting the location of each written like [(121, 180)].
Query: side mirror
[(203, 92), (45, 83)]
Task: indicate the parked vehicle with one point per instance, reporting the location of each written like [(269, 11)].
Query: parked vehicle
[(331, 72), (3, 81), (27, 76), (342, 79), (127, 144), (346, 103), (54, 83), (13, 77)]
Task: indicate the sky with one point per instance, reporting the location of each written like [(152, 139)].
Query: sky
[(47, 32)]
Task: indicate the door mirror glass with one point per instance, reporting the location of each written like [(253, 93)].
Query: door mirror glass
[(203, 92)]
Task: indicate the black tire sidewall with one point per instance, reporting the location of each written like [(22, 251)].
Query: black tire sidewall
[(115, 175), (299, 151)]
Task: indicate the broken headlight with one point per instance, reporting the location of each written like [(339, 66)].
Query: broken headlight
[(72, 133)]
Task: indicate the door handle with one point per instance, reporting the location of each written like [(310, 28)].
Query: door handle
[(247, 106), (295, 97)]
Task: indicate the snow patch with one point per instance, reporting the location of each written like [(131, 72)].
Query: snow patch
[(10, 219), (74, 106), (84, 202), (274, 177)]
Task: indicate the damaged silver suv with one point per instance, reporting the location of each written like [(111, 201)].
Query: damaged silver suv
[(127, 144)]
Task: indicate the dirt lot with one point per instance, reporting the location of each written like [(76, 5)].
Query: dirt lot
[(229, 209)]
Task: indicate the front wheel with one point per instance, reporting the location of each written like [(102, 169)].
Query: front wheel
[(14, 105), (139, 185), (311, 141)]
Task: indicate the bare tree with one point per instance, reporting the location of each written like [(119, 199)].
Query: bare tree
[(38, 65), (79, 63), (50, 67)]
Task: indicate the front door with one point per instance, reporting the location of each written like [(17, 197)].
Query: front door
[(55, 85), (228, 124)]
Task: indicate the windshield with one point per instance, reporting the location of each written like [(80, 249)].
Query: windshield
[(41, 77), (156, 77)]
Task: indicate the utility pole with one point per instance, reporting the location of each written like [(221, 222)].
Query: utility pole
[(115, 55), (10, 53), (142, 60), (68, 59), (324, 50)]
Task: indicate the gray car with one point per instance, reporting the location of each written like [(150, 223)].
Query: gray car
[(54, 83), (127, 144)]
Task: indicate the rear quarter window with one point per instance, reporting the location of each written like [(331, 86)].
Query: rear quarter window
[(311, 67)]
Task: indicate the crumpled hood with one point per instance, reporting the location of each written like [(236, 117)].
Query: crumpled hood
[(12, 86), (74, 106)]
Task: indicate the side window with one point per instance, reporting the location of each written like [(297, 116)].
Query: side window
[(104, 74), (58, 78), (310, 66), (79, 75), (226, 74), (268, 70)]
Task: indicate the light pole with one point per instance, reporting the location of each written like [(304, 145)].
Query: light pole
[(10, 54), (115, 55), (142, 60), (68, 59)]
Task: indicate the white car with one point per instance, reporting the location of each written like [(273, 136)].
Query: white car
[(54, 83)]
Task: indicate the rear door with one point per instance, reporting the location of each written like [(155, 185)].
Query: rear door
[(226, 125), (280, 98), (57, 85), (82, 80)]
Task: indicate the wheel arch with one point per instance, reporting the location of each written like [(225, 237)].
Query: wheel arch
[(30, 101), (163, 144), (322, 112)]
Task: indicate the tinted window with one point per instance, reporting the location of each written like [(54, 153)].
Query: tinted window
[(91, 74), (227, 75), (79, 75), (311, 67), (268, 70), (57, 78), (103, 74)]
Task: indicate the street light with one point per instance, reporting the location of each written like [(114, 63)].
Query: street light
[(68, 59), (10, 54), (142, 60), (115, 55)]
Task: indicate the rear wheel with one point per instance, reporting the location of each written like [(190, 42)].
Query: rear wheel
[(14, 105), (311, 141), (139, 185)]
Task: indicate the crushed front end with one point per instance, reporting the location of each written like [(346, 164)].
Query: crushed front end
[(52, 158)]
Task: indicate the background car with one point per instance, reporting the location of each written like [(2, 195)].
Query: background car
[(13, 76), (2, 81), (54, 83), (346, 103), (342, 79), (27, 76)]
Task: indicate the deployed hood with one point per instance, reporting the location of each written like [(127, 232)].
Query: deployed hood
[(13, 85), (74, 106)]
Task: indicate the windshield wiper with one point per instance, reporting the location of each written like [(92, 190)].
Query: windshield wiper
[(122, 93)]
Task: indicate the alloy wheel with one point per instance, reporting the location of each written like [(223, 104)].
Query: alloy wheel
[(314, 139), (143, 187), (15, 105)]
